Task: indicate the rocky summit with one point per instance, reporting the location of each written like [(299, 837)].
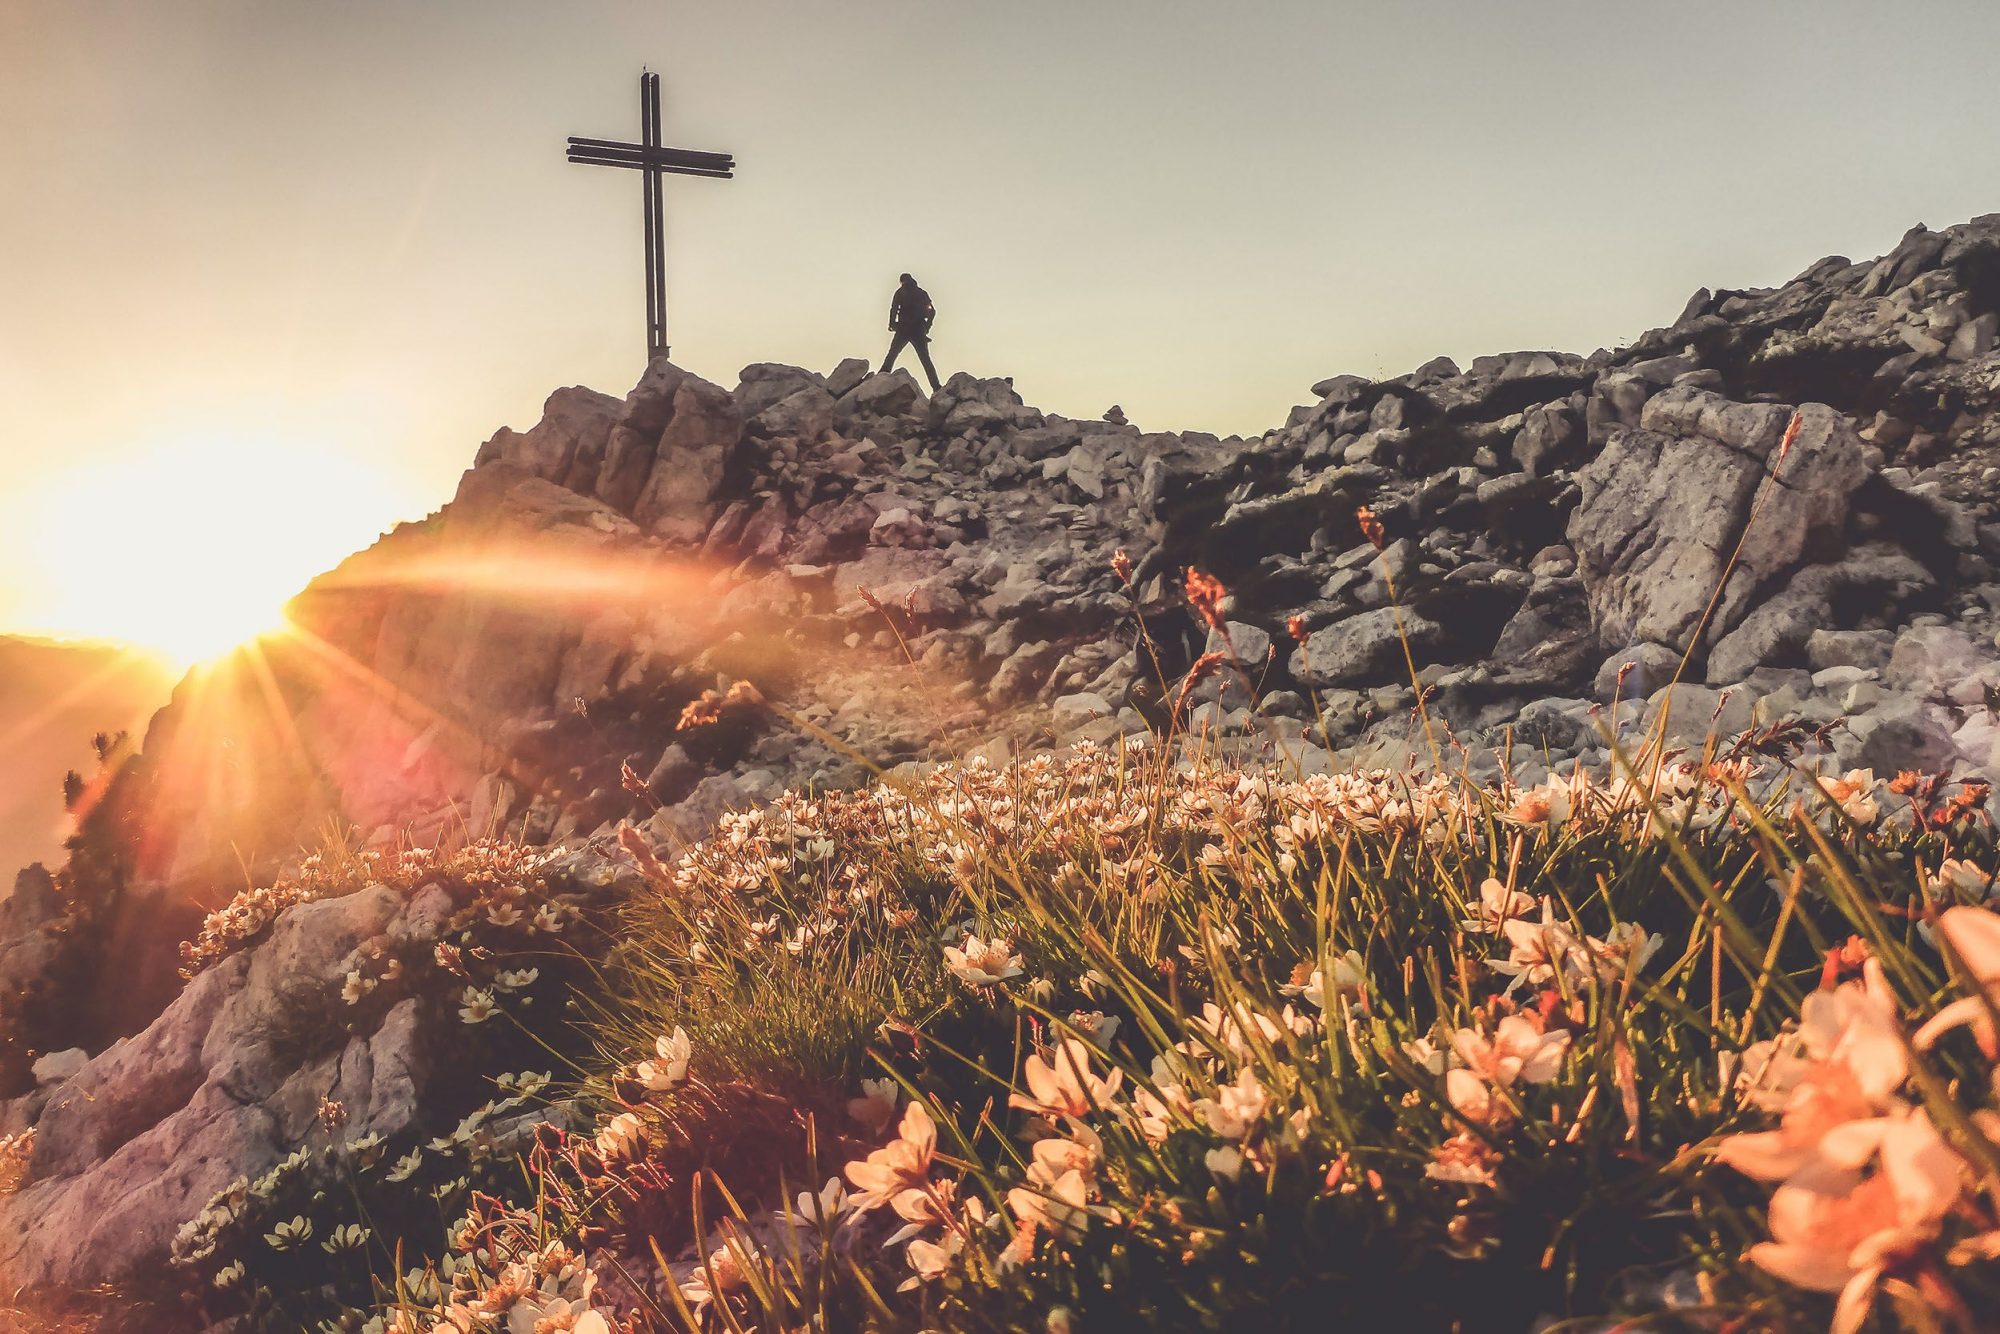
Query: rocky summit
[(1777, 510)]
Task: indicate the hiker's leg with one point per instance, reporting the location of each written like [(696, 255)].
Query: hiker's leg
[(896, 347), (923, 343)]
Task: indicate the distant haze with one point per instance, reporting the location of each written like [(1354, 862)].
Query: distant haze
[(53, 699), (347, 228)]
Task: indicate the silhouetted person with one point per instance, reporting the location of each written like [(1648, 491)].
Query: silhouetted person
[(910, 316)]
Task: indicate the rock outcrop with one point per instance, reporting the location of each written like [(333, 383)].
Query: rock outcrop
[(243, 1068), (1683, 523), (1786, 497)]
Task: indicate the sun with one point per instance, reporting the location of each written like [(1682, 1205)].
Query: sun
[(193, 546)]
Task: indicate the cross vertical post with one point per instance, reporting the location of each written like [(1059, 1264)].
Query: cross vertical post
[(652, 160), (656, 234)]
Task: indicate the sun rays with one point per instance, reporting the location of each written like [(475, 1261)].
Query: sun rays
[(190, 545), (324, 719)]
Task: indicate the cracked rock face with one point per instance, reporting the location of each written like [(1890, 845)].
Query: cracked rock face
[(1667, 509), (136, 1141), (230, 1079)]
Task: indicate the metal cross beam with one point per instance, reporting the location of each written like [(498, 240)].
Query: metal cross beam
[(651, 160)]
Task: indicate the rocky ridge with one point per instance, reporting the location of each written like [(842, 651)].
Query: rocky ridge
[(1794, 488)]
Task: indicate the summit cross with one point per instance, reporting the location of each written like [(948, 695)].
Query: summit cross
[(652, 161)]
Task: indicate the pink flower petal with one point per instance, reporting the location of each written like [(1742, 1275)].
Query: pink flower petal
[(1974, 935), (1801, 1266)]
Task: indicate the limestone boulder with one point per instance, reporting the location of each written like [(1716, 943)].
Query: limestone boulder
[(1549, 643), (1549, 436), (1366, 645), (767, 383), (133, 1142), (850, 372), (1778, 631), (878, 396), (229, 1079), (480, 652), (57, 1066), (1689, 715), (1635, 672), (804, 416), (1664, 524), (1903, 733), (684, 485), (968, 403), (1929, 660), (566, 446), (635, 438)]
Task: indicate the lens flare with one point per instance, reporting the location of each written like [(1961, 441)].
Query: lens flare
[(192, 546)]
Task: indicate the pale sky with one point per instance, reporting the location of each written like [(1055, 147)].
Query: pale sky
[(272, 269)]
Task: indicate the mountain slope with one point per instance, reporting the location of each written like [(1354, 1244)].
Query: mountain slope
[(54, 697), (1791, 490), (915, 576)]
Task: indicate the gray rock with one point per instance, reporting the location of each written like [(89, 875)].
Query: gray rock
[(1665, 508), (1340, 390), (892, 575), (1695, 713), (806, 416), (1553, 562), (1550, 642), (1549, 436), (1023, 673), (679, 499), (1615, 400), (1775, 633), (1974, 338), (1861, 697), (57, 1066), (1929, 660), (575, 427), (1072, 711), (1766, 681), (695, 815), (1435, 370), (761, 386), (1837, 679), (967, 403), (137, 1139), (1040, 442), (1368, 644), (1084, 468), (33, 904), (1246, 643), (1902, 734), (674, 775), (895, 395), (1635, 672), (592, 663), (1849, 648), (849, 373), (633, 445), (897, 527), (494, 799), (1554, 725)]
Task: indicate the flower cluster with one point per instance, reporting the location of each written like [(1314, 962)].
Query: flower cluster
[(1544, 1035), (1100, 1036), (1869, 1187), (16, 1151), (501, 875), (503, 1273)]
